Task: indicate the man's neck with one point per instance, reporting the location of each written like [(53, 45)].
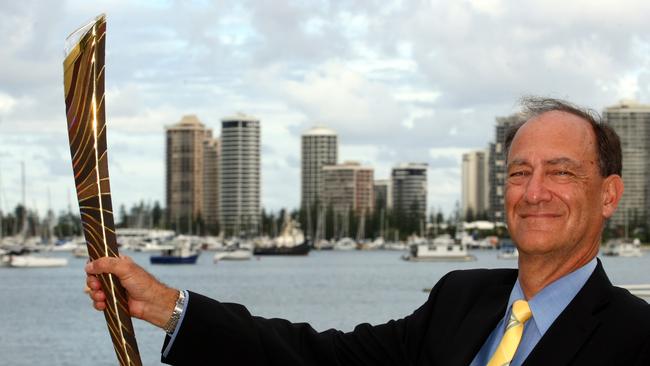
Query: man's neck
[(538, 271)]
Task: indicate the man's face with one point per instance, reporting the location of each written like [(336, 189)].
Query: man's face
[(554, 191)]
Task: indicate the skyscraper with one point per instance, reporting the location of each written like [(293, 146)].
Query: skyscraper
[(383, 194), (348, 186), (319, 148), (409, 183), (497, 167), (474, 199), (631, 121), (239, 187), (210, 211), (184, 176)]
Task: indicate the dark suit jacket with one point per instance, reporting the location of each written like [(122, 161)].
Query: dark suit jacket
[(603, 325)]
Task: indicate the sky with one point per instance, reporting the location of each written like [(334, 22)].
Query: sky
[(399, 81)]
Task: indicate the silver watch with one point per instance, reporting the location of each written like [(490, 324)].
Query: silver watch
[(176, 314)]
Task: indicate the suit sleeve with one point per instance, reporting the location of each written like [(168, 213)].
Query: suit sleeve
[(219, 333)]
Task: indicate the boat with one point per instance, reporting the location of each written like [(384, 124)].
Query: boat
[(237, 254), (623, 248), (395, 245), (323, 244), (182, 252), (81, 251), (32, 261), (291, 241), (345, 244), (442, 248), (508, 250)]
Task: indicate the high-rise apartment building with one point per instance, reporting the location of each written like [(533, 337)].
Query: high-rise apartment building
[(497, 167), (631, 121), (319, 148), (210, 211), (409, 186), (239, 175), (348, 186), (184, 175), (475, 188), (383, 194)]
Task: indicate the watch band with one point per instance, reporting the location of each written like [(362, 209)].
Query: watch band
[(176, 314)]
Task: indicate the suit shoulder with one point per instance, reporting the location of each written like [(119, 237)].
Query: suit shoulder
[(633, 307), (481, 277)]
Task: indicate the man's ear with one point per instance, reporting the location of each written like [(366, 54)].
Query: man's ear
[(612, 193)]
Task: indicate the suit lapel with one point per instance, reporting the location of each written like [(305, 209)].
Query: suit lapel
[(575, 325), (475, 328)]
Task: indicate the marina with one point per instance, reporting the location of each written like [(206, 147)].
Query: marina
[(48, 319)]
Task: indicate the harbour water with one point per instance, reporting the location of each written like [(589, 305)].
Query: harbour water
[(47, 319)]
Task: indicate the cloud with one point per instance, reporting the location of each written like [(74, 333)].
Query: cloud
[(395, 80)]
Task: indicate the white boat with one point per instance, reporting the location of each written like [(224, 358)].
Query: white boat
[(81, 251), (323, 244), (4, 258), (395, 245), (442, 248), (345, 244), (623, 248), (233, 255), (371, 245), (67, 245), (32, 261)]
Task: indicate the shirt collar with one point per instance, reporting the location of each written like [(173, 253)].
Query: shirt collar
[(547, 304)]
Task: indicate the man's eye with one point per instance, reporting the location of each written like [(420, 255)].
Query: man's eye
[(563, 173), (518, 174)]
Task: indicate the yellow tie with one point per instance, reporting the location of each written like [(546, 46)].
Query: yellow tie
[(506, 350)]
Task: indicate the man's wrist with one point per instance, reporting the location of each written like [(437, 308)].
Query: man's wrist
[(171, 324)]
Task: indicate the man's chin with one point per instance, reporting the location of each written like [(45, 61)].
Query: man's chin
[(536, 241)]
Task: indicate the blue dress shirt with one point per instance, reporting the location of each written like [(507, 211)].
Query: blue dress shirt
[(546, 306)]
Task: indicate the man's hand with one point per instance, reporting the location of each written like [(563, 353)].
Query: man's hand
[(149, 299)]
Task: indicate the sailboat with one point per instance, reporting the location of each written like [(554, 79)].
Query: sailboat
[(22, 257)]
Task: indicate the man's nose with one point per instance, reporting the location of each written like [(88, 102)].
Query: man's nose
[(536, 189)]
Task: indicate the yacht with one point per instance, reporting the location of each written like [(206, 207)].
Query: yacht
[(34, 261), (345, 244), (183, 251), (291, 241), (234, 254), (442, 248), (623, 248)]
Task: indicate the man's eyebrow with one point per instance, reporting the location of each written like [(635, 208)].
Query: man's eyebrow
[(563, 161), (554, 161)]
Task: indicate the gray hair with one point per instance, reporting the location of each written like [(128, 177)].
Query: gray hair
[(608, 143)]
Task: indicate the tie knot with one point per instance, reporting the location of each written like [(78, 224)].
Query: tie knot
[(521, 310)]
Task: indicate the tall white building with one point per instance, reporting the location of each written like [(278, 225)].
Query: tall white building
[(239, 178), (319, 149), (631, 121), (475, 191), (409, 184)]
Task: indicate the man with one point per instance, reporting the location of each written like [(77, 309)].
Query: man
[(559, 308)]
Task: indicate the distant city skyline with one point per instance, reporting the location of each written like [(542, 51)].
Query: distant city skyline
[(408, 81)]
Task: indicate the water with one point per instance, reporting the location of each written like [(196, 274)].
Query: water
[(46, 319)]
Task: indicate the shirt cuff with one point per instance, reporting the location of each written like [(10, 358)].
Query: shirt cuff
[(178, 325)]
